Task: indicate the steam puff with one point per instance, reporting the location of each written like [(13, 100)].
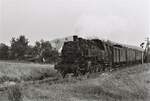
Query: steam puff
[(103, 27)]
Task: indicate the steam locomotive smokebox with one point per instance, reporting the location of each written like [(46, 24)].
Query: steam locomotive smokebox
[(75, 38)]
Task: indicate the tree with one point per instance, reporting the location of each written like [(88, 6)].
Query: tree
[(43, 50), (19, 47), (4, 51)]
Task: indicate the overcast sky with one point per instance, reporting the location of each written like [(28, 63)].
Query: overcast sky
[(125, 21)]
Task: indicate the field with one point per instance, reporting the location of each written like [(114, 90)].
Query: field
[(12, 71), (128, 84)]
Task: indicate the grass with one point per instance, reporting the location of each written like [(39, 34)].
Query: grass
[(121, 85), (14, 93), (11, 71)]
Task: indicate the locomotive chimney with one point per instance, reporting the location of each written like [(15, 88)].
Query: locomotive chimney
[(75, 38), (79, 39)]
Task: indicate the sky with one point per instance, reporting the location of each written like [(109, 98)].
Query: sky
[(124, 21)]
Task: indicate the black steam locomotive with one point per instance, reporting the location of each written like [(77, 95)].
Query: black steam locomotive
[(82, 56)]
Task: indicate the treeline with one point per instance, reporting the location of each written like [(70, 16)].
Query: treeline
[(20, 50)]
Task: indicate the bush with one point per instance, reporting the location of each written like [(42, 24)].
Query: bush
[(14, 93)]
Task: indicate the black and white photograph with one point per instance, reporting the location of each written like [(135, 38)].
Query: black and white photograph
[(74, 50)]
